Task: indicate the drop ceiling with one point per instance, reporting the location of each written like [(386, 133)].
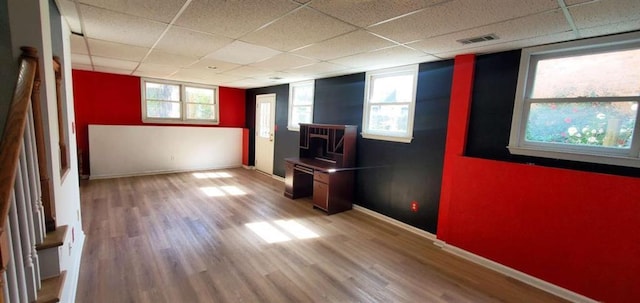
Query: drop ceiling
[(247, 44)]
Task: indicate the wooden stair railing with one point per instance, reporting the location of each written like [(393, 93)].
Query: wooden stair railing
[(24, 188)]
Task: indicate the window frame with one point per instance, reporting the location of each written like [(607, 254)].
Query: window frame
[(594, 154), (182, 101), (292, 86), (403, 137)]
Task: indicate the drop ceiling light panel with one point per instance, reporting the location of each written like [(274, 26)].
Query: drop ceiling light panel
[(349, 44), (300, 28), (160, 57), (515, 29), (455, 16), (183, 41), (116, 50), (78, 46), (110, 26), (284, 61), (232, 18), (389, 57), (242, 53), (605, 12), (162, 11), (365, 13)]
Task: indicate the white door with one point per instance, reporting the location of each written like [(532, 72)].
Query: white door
[(265, 130)]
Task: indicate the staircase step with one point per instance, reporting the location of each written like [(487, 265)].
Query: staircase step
[(51, 290), (53, 238)]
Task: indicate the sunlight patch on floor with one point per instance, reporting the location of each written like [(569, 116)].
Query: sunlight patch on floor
[(289, 229), (212, 175), (231, 190)]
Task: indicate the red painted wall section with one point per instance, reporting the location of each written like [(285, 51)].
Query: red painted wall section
[(109, 99), (575, 229)]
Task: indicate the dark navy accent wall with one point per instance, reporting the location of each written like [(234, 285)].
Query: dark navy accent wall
[(9, 70), (393, 174), (496, 78), (286, 142)]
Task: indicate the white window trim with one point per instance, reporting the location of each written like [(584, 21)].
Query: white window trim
[(183, 104), (404, 137), (291, 105), (600, 155)]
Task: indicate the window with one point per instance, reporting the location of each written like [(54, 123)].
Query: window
[(175, 102), (300, 104), (579, 101), (389, 104)]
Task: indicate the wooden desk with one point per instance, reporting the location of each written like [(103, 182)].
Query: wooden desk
[(331, 187)]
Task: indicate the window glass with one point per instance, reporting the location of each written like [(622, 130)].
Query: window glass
[(174, 102), (300, 104)]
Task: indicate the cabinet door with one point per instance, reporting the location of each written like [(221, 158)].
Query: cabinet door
[(320, 195)]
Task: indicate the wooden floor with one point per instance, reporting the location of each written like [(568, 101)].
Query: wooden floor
[(190, 237)]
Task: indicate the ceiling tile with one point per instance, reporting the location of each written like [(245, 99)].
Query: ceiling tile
[(248, 71), (199, 76), (163, 11), (284, 61), (115, 63), (365, 13), (160, 57), (232, 18), (318, 68), (247, 83), (345, 45), (242, 53), (198, 43), (82, 66), (607, 29), (69, 11), (455, 16), (216, 65), (78, 46), (111, 70), (159, 69), (109, 26), (116, 50), (605, 12), (388, 57), (574, 2), (81, 59), (515, 29), (293, 30)]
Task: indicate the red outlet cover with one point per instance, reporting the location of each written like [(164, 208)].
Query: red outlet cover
[(414, 206)]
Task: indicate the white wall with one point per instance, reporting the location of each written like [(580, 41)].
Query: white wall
[(117, 150)]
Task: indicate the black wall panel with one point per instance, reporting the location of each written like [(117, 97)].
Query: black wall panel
[(496, 77)]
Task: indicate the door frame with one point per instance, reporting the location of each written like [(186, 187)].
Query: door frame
[(272, 118)]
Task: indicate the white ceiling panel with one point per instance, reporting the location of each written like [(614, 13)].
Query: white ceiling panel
[(162, 11), (232, 18), (82, 66), (284, 61), (389, 57), (242, 53), (78, 46), (515, 29), (455, 16), (111, 70), (605, 12), (198, 76), (574, 2), (365, 13), (318, 68), (160, 69), (349, 44), (115, 63), (183, 41), (602, 30), (81, 59), (216, 65), (248, 71), (247, 83), (115, 27), (160, 57), (116, 50), (302, 27), (68, 9)]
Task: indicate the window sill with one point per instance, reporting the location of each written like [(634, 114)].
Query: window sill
[(576, 156), (293, 129), (387, 138)]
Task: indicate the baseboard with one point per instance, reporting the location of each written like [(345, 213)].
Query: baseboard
[(74, 273), (281, 179), (495, 266), (248, 167), (159, 172)]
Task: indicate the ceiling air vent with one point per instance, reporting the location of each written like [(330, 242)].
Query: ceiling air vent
[(479, 39)]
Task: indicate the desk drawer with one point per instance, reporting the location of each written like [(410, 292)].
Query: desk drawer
[(320, 176)]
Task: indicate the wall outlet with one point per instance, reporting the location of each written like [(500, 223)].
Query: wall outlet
[(414, 206)]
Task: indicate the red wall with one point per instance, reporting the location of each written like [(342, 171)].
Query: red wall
[(101, 98), (575, 229)]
